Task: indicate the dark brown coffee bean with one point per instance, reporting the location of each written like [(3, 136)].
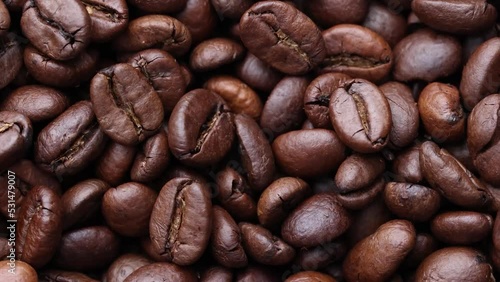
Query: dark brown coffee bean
[(87, 248), (483, 138), (127, 208), (356, 51), (163, 73), (152, 159), (216, 274), (125, 265), (329, 13), (461, 227), (36, 102), (255, 151), (441, 112), (455, 264), (456, 16), (413, 61), (181, 221), (310, 276), (115, 162), (162, 271), (425, 245), (279, 199), (23, 273), (40, 227), (155, 31), (404, 111), (10, 59), (107, 18), (317, 97), (308, 153), (200, 130), (264, 247), (60, 29), (288, 40), (82, 201), (16, 135), (376, 258), (461, 152), (127, 108), (384, 21), (359, 199), (358, 171), (64, 276), (406, 166), (226, 243), (257, 74), (411, 201), (200, 18), (60, 73), (70, 142), (158, 6), (214, 53), (239, 96), (480, 74), (231, 9), (321, 256), (450, 178), (4, 19), (234, 195), (318, 220)]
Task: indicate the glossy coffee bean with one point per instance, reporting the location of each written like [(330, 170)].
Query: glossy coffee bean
[(462, 153), (258, 74), (16, 135), (107, 18), (181, 221), (406, 166), (70, 142), (234, 194), (411, 201), (231, 9), (377, 257), (425, 245), (10, 58), (461, 227), (361, 116), (356, 51), (200, 18), (200, 129), (412, 61), (40, 227), (163, 271), (23, 273), (216, 274), (322, 255), (329, 13), (226, 240), (310, 276), (317, 97), (59, 29), (215, 53), (125, 265), (289, 41), (462, 16), (455, 264), (152, 159), (115, 162), (318, 220), (384, 21), (358, 171)]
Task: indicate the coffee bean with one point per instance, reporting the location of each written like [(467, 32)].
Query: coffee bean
[(289, 40), (215, 53), (10, 59), (193, 11), (226, 242), (4, 19), (107, 18), (24, 272), (461, 227), (59, 275), (258, 74), (358, 171), (216, 274), (406, 166), (161, 271), (234, 194), (16, 134), (115, 162), (321, 256), (231, 9), (125, 265), (329, 13), (389, 25), (310, 276), (411, 201), (425, 245)]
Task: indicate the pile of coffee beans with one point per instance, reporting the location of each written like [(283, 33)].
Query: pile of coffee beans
[(249, 141)]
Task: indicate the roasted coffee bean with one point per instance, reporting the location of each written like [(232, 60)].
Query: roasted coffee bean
[(279, 199), (127, 208), (404, 111), (234, 195), (152, 160), (442, 114), (483, 138), (4, 19), (358, 171), (480, 76), (60, 73), (60, 29), (264, 247), (317, 97), (163, 73), (329, 13), (216, 274), (87, 248), (40, 227), (226, 242), (214, 53), (10, 59), (258, 74), (107, 18), (406, 166), (411, 201), (64, 276), (161, 271), (310, 276), (127, 108), (23, 272), (361, 116), (383, 20), (414, 61), (366, 221), (321, 256), (16, 135), (125, 265), (450, 178), (181, 221), (199, 17), (36, 102), (359, 199), (425, 245), (231, 9), (155, 31), (200, 129), (356, 51), (70, 142), (455, 264), (115, 163), (377, 257), (255, 151), (456, 16), (297, 157), (238, 96), (461, 227), (461, 152), (82, 201), (288, 40), (318, 220)]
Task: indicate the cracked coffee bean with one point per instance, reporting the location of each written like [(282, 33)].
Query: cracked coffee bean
[(107, 18)]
